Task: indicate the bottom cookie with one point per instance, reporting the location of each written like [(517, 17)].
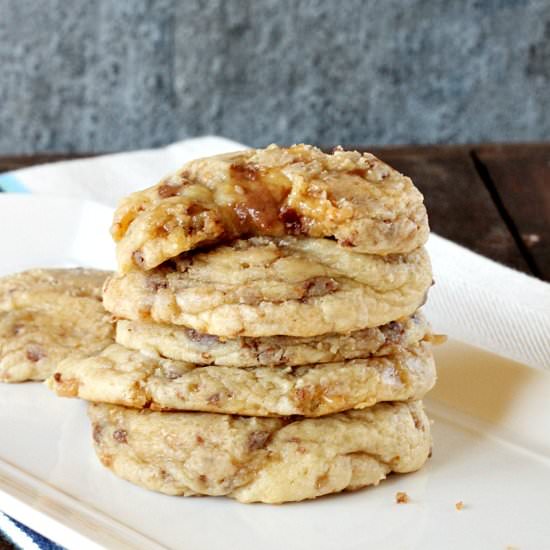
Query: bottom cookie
[(270, 460)]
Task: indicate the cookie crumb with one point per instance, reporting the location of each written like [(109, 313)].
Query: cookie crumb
[(401, 497), (459, 505), (437, 339), (121, 436)]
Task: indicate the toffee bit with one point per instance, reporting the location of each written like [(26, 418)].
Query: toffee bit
[(401, 497), (34, 353), (320, 286), (459, 505), (138, 258), (361, 172), (166, 190), (291, 220), (321, 481), (258, 440), (437, 339), (214, 399), (97, 429), (417, 422), (155, 283), (121, 436), (202, 337), (244, 171), (348, 243), (195, 209)]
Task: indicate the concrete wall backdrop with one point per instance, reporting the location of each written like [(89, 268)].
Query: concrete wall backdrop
[(121, 74)]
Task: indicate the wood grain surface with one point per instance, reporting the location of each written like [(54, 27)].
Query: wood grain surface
[(493, 199), (520, 180)]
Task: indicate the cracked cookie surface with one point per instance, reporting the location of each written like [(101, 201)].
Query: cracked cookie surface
[(130, 378), (270, 460), (47, 315), (354, 198), (267, 286)]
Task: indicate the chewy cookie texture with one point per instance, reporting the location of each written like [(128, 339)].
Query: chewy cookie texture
[(47, 315), (125, 377), (270, 460), (268, 345), (184, 344), (264, 287), (354, 198)]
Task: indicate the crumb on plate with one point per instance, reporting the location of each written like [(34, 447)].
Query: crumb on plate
[(401, 497)]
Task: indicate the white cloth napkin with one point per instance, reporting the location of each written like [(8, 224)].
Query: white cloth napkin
[(475, 300)]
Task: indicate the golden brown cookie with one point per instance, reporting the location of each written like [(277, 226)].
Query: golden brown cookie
[(354, 198), (271, 460), (47, 315), (265, 287), (124, 377)]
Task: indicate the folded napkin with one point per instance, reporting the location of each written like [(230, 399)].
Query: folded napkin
[(474, 300), (108, 178)]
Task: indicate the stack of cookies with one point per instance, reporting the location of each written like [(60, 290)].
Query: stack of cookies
[(268, 345)]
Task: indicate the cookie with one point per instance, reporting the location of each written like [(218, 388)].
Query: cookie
[(124, 377), (270, 460), (353, 198), (47, 315), (184, 344), (266, 286)]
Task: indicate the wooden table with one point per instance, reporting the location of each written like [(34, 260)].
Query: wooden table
[(494, 199)]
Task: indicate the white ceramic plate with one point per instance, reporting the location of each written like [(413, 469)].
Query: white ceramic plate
[(491, 451)]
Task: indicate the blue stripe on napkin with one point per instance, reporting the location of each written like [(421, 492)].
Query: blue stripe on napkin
[(21, 537), (10, 184)]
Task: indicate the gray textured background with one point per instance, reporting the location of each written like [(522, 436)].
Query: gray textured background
[(121, 74)]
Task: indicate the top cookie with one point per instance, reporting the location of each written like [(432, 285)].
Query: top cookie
[(352, 197)]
